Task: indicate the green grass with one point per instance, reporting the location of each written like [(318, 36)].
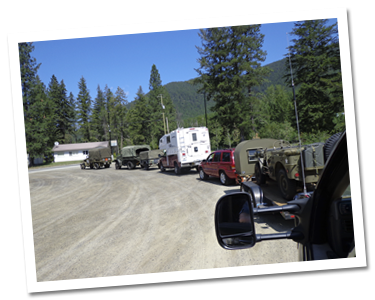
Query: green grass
[(53, 164)]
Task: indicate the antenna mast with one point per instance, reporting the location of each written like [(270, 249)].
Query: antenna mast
[(295, 109)]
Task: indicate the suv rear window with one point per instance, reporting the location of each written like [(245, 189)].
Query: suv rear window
[(226, 157)]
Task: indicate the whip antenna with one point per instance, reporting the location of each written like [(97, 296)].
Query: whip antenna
[(295, 109)]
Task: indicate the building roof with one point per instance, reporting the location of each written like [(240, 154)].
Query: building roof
[(79, 146)]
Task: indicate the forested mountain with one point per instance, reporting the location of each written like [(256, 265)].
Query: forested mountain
[(190, 104)]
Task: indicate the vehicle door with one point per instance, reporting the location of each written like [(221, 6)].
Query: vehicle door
[(194, 148), (208, 165), (226, 162), (216, 164)]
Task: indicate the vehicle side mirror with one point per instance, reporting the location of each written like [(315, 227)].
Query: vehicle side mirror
[(234, 221)]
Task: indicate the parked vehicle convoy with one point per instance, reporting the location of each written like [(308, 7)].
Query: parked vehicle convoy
[(98, 158), (184, 149), (324, 227), (129, 156), (219, 164), (150, 158)]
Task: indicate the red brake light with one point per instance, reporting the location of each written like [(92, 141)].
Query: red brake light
[(296, 175)]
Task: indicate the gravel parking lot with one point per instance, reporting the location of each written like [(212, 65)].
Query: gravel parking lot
[(107, 222)]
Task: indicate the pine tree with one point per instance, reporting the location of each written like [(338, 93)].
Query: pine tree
[(118, 122), (98, 118), (72, 136), (315, 59), (230, 67), (160, 103), (140, 126), (84, 110)]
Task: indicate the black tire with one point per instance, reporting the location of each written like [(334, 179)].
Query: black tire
[(146, 166), (117, 165), (96, 166), (91, 166), (83, 167), (177, 169), (130, 165), (288, 187), (224, 179), (202, 174), (259, 176), (330, 144), (162, 169)]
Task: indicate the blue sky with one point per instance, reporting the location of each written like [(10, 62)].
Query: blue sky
[(125, 61)]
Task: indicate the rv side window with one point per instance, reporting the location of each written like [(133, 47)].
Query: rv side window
[(168, 139), (194, 137), (251, 155)]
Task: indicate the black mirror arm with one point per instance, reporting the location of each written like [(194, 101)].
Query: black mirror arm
[(278, 236), (292, 208)]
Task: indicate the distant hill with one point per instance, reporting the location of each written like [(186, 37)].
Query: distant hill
[(191, 104)]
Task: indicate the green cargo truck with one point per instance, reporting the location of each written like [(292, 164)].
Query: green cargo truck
[(98, 158), (129, 156)]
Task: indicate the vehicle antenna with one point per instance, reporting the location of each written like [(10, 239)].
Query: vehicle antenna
[(295, 109)]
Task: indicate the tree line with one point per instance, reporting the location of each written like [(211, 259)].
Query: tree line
[(229, 75)]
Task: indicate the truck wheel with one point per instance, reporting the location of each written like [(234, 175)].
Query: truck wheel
[(96, 166), (162, 169), (202, 175), (259, 176), (330, 144), (83, 167), (117, 165), (91, 166), (177, 169), (288, 187), (130, 165), (146, 166)]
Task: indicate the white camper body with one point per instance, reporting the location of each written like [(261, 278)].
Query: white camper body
[(184, 148)]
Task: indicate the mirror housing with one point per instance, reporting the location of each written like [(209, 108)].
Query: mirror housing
[(234, 221)]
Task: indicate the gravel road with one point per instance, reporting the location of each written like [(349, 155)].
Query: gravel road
[(107, 222)]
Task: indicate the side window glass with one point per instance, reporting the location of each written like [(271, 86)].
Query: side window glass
[(251, 155), (226, 157), (210, 157), (194, 136), (168, 139), (217, 157)]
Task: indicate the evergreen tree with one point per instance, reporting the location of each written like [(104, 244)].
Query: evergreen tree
[(315, 59), (118, 122), (98, 118), (72, 136), (160, 103), (230, 67), (84, 110), (140, 126)]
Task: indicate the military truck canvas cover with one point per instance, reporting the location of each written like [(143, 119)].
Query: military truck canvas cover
[(99, 153), (152, 154), (244, 158), (133, 151)]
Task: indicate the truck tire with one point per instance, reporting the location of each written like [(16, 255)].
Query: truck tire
[(288, 187), (177, 169), (202, 175), (117, 165), (130, 165), (259, 176), (96, 166), (330, 144)]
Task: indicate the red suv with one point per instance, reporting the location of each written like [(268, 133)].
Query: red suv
[(220, 164)]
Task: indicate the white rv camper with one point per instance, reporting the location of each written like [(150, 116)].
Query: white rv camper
[(184, 148)]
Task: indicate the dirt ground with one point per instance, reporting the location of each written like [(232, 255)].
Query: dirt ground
[(107, 222)]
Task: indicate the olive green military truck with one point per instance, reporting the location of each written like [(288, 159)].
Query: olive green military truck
[(98, 158), (293, 167), (150, 158), (129, 156)]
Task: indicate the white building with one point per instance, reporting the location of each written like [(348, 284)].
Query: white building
[(73, 152)]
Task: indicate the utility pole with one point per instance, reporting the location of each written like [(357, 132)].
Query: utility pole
[(161, 97)]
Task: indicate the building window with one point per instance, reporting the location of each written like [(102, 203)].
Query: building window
[(86, 152), (70, 153)]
